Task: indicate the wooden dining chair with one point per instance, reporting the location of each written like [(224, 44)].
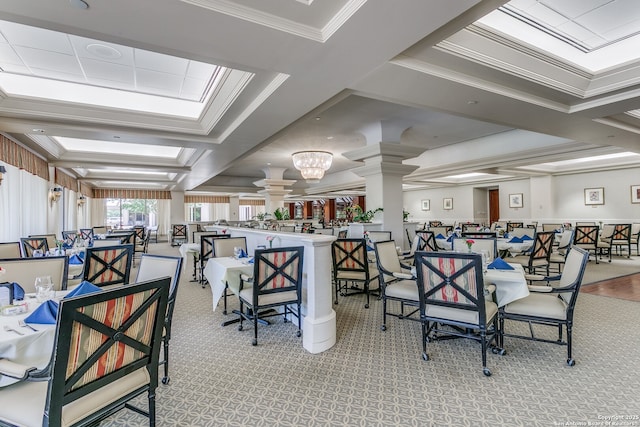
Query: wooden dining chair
[(108, 265), (105, 354)]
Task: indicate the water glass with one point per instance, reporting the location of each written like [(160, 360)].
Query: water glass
[(236, 252), (44, 288)]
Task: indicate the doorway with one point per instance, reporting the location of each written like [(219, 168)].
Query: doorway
[(494, 206)]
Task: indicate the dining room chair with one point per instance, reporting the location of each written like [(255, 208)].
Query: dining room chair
[(559, 255), (427, 241), (69, 236), (551, 227), (435, 223), (100, 229), (479, 245), (31, 244), (452, 301), (397, 284), (352, 269), (108, 265), (586, 237), (342, 234), (378, 236), (470, 226), (512, 225), (276, 283), (141, 242), (24, 271), (551, 305), (604, 244), (621, 238), (205, 240), (10, 250), (86, 234), (635, 236), (538, 257), (225, 247), (155, 267), (442, 230), (179, 234), (105, 354)]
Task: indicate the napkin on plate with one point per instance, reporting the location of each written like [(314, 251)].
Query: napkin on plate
[(450, 238), (75, 260), (243, 254), (81, 255), (18, 292), (526, 237), (83, 288), (515, 239), (499, 264), (440, 236), (46, 314)]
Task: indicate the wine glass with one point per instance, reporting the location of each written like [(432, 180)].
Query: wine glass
[(44, 288)]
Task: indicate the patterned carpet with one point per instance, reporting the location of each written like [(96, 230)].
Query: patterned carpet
[(375, 378)]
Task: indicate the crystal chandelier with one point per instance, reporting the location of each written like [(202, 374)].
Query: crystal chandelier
[(312, 164)]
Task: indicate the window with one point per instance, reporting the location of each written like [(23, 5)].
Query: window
[(126, 213), (194, 212)]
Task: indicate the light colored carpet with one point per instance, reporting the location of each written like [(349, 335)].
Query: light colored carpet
[(375, 378), (619, 266)]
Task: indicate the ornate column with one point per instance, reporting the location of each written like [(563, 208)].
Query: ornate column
[(274, 190)]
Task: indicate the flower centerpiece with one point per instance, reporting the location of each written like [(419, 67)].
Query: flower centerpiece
[(270, 239), (2, 271), (469, 243)]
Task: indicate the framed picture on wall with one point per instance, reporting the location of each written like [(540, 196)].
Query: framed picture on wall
[(594, 196), (447, 203), (515, 200), (426, 205), (635, 194)]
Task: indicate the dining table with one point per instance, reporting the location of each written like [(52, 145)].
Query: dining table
[(510, 285), (223, 272), (190, 251)]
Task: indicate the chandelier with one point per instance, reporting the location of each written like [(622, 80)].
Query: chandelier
[(312, 164)]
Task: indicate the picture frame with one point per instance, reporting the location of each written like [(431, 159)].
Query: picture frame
[(426, 204), (635, 194), (594, 196), (516, 200), (447, 203)]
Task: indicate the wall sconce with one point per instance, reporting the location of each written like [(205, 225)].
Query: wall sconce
[(3, 170), (81, 200), (55, 193)]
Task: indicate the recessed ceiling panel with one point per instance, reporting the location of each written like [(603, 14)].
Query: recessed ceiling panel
[(106, 147)]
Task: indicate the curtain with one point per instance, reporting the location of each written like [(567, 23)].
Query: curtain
[(98, 211), (219, 211), (164, 217), (24, 206)]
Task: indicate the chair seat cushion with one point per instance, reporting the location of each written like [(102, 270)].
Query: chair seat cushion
[(459, 315), (358, 275), (23, 403), (268, 299), (539, 305), (402, 289)]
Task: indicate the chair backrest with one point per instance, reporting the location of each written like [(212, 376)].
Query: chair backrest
[(126, 237), (30, 244), (86, 233), (498, 225), (585, 223), (566, 240), (427, 241), (479, 234), (325, 231), (306, 227), (551, 227), (387, 259), (277, 270), (108, 265), (24, 271), (70, 236), (350, 255), (542, 246), (100, 229), (99, 243), (621, 233), (572, 274), (379, 236), (489, 245), (451, 280), (606, 232), (512, 225), (10, 250), (435, 223), (288, 228), (442, 230), (586, 236), (206, 240), (179, 231), (342, 234), (106, 339), (469, 226), (224, 247), (140, 232), (51, 239), (635, 231), (523, 231)]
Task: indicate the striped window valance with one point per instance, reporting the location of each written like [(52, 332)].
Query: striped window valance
[(251, 202), (20, 157), (119, 193), (86, 189), (205, 199), (66, 180)]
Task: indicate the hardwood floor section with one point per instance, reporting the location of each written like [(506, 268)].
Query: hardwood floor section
[(625, 287)]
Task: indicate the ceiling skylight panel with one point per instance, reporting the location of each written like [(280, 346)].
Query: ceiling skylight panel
[(107, 147)]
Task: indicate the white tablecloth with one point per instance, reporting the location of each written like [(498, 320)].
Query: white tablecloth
[(510, 284), (31, 348), (226, 270), (514, 248), (187, 249)]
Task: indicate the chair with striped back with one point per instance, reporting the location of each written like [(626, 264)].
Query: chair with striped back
[(105, 354), (179, 234), (69, 236), (539, 256), (621, 238), (155, 267), (108, 265), (86, 234), (31, 244), (352, 268), (276, 282), (512, 225), (586, 237), (452, 301), (51, 239)]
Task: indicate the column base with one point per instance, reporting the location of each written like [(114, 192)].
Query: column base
[(319, 335)]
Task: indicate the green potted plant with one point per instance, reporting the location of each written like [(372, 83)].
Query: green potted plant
[(361, 216), (281, 214)]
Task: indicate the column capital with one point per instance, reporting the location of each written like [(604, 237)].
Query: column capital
[(385, 151), (384, 168)]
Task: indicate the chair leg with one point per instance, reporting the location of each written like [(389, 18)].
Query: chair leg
[(570, 360), (299, 333), (384, 314), (425, 356), (165, 379), (152, 408), (255, 328), (483, 342)]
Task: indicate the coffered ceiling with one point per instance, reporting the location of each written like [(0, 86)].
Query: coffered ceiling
[(203, 95)]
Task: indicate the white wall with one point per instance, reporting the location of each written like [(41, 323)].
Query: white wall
[(547, 198)]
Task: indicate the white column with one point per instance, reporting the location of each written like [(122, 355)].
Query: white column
[(274, 190), (234, 208)]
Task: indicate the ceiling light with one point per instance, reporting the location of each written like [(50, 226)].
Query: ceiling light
[(79, 4), (312, 164)]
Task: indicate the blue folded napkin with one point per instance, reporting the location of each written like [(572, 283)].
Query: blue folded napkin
[(46, 314), (499, 264), (526, 237), (450, 238), (75, 259), (251, 260), (83, 288), (81, 254), (515, 239), (18, 292), (243, 254), (440, 236), (67, 246)]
